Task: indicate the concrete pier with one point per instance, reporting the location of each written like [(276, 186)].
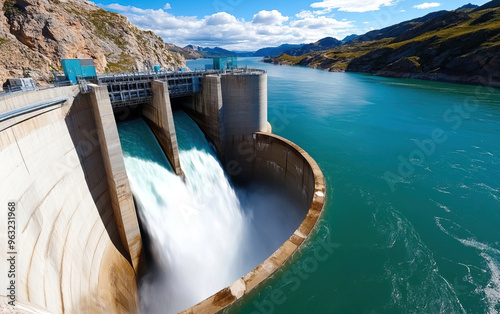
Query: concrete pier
[(205, 108), (158, 114), (121, 195)]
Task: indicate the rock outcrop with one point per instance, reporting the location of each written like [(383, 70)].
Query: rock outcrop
[(36, 34)]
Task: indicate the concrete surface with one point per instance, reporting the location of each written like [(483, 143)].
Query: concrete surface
[(205, 108), (159, 117), (69, 254), (122, 200), (244, 99)]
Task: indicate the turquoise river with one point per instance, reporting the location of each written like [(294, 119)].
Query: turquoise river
[(412, 220)]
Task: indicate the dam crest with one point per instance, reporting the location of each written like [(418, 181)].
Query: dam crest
[(80, 243)]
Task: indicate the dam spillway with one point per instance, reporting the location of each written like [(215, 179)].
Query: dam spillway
[(204, 233)]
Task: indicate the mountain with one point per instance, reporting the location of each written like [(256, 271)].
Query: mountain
[(398, 29), (196, 52), (322, 44), (36, 34), (275, 51), (468, 6), (244, 53), (460, 46), (349, 38), (489, 5)]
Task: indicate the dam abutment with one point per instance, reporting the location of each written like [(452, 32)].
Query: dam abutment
[(70, 256)]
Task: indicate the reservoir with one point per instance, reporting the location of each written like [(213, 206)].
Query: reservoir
[(412, 219)]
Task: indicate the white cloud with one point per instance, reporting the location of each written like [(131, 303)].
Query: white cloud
[(221, 18), (320, 22), (267, 28), (304, 14), (117, 7), (353, 6), (310, 14), (167, 6), (269, 17), (324, 11), (427, 5)]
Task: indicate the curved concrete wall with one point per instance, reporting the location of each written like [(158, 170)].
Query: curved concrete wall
[(244, 99), (275, 159), (69, 254)]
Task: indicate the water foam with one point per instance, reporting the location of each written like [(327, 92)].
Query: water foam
[(492, 288), (202, 237), (192, 226)]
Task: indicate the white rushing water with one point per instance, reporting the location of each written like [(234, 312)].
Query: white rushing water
[(202, 237)]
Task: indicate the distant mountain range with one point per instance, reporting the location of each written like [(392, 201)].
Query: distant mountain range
[(462, 46), (275, 51), (196, 52), (322, 44)]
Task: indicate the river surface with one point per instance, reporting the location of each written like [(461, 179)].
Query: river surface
[(412, 218)]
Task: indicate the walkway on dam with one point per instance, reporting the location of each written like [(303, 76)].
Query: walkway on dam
[(127, 89)]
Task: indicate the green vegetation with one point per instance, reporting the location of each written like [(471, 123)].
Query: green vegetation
[(291, 59), (125, 63), (55, 68), (470, 30), (415, 60), (466, 28), (11, 8), (3, 41), (71, 8), (140, 40), (104, 23), (336, 59)]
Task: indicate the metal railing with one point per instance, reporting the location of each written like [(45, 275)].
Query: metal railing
[(180, 83), (33, 107)]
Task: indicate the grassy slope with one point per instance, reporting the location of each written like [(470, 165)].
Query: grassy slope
[(338, 59)]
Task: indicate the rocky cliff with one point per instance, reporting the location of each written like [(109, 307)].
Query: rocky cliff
[(36, 34), (461, 46)]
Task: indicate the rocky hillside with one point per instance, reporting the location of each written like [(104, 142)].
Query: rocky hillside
[(36, 34), (322, 44), (456, 46)]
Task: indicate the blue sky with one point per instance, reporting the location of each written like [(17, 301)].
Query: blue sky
[(253, 24)]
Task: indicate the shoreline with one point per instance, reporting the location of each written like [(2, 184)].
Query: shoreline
[(433, 77)]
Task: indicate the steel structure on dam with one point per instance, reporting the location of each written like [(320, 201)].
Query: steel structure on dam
[(127, 89), (79, 245)]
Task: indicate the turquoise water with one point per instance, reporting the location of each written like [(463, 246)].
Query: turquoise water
[(424, 238)]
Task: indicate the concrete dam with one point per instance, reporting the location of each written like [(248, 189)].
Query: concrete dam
[(83, 241)]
